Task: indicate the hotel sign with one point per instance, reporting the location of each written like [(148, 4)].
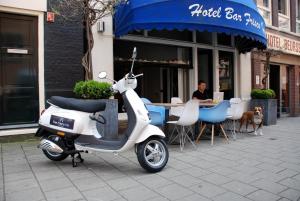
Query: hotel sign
[(284, 44)]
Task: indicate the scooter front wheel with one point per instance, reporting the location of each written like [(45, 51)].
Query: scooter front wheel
[(153, 154)]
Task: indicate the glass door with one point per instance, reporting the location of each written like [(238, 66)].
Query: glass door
[(285, 103), (226, 74), (19, 103)]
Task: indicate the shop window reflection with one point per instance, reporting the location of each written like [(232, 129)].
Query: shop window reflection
[(224, 39)]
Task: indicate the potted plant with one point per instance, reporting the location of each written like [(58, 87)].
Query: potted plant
[(101, 91), (265, 98)]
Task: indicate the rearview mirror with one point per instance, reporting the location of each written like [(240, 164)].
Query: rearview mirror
[(102, 75), (134, 53)]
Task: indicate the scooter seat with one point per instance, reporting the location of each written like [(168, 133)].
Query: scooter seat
[(89, 106)]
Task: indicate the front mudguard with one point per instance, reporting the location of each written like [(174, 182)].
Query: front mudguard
[(150, 131)]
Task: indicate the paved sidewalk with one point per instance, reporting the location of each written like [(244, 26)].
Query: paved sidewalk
[(263, 168)]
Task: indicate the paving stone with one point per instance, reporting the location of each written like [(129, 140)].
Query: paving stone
[(154, 181), (290, 166), (239, 188), (196, 171), (16, 176), (269, 186), (292, 183), (208, 190), (230, 196), (216, 179), (284, 199), (174, 192), (263, 195), (297, 177), (42, 176), (89, 183), (170, 172), (20, 185), (54, 184), (80, 174), (138, 194), (65, 194), (101, 194), (270, 168), (179, 165), (247, 169), (269, 176), (122, 183), (288, 173), (222, 170), (32, 194), (243, 177), (186, 180), (16, 168), (291, 194), (194, 197), (158, 199)]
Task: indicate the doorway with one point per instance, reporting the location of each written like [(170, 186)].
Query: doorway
[(275, 84), (205, 69), (19, 104)]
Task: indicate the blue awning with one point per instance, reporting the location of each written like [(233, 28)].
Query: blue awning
[(235, 17)]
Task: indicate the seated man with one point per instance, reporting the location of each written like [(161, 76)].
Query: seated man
[(201, 94)]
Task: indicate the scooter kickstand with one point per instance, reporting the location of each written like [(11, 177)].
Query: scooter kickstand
[(77, 159)]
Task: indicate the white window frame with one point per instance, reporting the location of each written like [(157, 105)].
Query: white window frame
[(266, 9)]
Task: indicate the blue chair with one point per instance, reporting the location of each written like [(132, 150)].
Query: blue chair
[(215, 116), (157, 113)]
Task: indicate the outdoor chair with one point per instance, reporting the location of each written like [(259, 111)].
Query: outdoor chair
[(157, 113), (235, 113), (215, 116), (183, 126), (176, 111)]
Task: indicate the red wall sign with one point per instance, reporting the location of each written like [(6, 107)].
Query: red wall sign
[(50, 17), (284, 44)]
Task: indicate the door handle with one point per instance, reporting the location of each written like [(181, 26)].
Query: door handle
[(17, 51)]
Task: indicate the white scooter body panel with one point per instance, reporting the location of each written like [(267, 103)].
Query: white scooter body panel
[(82, 124), (142, 130)]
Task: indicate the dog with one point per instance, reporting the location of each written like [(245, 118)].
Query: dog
[(255, 118)]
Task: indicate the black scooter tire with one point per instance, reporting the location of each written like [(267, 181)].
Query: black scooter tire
[(54, 156), (59, 157), (141, 154)]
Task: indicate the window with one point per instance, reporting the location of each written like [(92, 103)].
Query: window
[(224, 39), (264, 7), (184, 35), (298, 17), (283, 17), (204, 37), (282, 8)]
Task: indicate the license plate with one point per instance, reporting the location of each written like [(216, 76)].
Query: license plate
[(62, 122)]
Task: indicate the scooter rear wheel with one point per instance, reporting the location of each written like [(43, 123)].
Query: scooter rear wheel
[(153, 154), (55, 156)]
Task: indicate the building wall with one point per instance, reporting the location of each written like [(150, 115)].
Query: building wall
[(102, 52), (289, 54), (37, 5), (63, 54)]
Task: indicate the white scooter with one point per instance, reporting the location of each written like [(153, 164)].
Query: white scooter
[(68, 127)]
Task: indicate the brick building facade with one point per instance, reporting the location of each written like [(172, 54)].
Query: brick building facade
[(283, 33)]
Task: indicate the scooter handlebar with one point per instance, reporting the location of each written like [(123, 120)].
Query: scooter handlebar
[(139, 75)]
